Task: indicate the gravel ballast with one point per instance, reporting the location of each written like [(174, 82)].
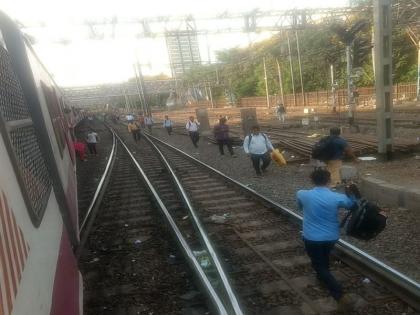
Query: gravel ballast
[(396, 246)]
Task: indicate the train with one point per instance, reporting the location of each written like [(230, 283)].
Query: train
[(39, 228)]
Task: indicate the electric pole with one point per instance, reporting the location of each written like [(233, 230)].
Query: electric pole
[(280, 81), (350, 100), (382, 18), (300, 69), (266, 84), (138, 88), (291, 70)]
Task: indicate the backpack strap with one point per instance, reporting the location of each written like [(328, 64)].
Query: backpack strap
[(249, 140)]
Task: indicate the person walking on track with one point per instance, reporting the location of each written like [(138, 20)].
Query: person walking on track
[(331, 150), (167, 124), (321, 231), (192, 127), (221, 134), (141, 121), (148, 120), (281, 112), (134, 129), (92, 139), (258, 147)]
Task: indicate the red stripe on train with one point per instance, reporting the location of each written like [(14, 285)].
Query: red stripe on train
[(13, 254), (12, 288)]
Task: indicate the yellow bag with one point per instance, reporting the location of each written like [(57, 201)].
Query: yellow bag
[(277, 157)]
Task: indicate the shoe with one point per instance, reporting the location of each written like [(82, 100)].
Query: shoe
[(234, 156), (258, 175), (349, 302)]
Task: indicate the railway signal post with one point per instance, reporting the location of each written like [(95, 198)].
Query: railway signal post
[(382, 18)]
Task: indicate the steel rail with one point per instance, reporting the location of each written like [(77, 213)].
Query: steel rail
[(228, 288), (403, 286), (217, 303), (97, 197)]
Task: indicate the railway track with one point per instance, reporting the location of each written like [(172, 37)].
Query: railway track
[(130, 262), (260, 244)]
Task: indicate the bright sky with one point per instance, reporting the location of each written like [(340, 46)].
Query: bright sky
[(84, 61)]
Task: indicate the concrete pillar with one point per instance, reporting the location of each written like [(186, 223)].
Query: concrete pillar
[(203, 118), (383, 74), (248, 119)]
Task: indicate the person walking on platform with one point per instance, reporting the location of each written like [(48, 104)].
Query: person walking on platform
[(192, 127), (148, 120), (167, 124), (333, 149), (321, 230), (281, 113), (134, 129), (92, 139), (221, 134), (258, 147)]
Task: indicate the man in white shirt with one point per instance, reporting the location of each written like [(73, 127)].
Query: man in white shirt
[(258, 147), (167, 124), (91, 139), (148, 122), (192, 127)]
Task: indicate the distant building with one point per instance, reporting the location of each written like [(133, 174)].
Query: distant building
[(183, 51)]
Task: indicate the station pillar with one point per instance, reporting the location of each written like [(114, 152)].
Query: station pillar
[(248, 119), (382, 18), (203, 118)]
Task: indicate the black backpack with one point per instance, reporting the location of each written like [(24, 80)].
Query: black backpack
[(364, 221), (323, 150)]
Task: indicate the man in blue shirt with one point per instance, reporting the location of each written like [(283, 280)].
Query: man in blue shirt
[(321, 226)]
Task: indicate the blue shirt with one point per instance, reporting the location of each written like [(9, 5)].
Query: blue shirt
[(320, 213), (338, 145)]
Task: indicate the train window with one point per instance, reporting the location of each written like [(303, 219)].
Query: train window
[(18, 132), (57, 118)]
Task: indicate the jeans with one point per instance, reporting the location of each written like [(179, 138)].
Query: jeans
[(256, 158), (225, 142), (319, 253), (169, 130), (195, 136), (136, 135), (92, 148)]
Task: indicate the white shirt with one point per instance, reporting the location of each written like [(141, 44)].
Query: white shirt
[(192, 125), (260, 144), (148, 121), (130, 117), (167, 123), (92, 137)]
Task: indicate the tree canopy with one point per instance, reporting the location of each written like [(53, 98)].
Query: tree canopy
[(241, 69)]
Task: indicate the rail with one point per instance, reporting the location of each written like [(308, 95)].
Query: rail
[(99, 192), (205, 282), (214, 257), (404, 287)]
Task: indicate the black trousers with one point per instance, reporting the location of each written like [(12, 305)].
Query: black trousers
[(169, 130), (319, 253), (136, 135), (256, 162), (92, 148), (195, 136), (225, 142)]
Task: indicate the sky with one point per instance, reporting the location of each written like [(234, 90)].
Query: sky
[(83, 61)]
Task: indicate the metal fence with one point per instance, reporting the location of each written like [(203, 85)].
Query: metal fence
[(402, 92)]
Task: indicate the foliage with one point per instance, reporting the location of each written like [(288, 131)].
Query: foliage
[(241, 70)]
